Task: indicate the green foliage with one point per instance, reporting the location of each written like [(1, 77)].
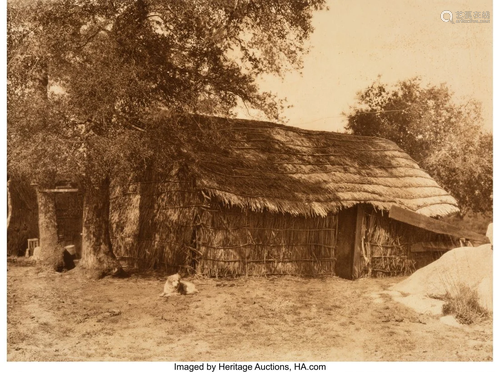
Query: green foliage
[(444, 137)]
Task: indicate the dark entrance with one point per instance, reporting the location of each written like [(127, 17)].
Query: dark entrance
[(349, 242), (69, 215)]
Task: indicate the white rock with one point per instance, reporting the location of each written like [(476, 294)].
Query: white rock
[(469, 266)]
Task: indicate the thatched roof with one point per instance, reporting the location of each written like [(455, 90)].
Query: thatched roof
[(280, 168)]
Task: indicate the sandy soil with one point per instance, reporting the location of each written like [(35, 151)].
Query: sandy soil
[(67, 317)]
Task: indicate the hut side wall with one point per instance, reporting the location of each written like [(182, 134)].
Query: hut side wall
[(386, 247), (152, 223), (124, 220), (232, 242), (175, 209), (171, 225)]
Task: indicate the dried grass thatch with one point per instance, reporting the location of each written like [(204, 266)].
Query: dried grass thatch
[(310, 173)]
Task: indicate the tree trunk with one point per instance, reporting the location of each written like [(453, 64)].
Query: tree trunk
[(97, 252), (50, 251)]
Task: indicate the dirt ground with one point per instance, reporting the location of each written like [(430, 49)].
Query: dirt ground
[(67, 317)]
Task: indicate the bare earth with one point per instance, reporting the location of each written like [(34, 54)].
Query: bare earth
[(67, 317)]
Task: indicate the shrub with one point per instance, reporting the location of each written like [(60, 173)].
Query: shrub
[(465, 305)]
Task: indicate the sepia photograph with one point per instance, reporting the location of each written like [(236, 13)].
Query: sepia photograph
[(246, 185)]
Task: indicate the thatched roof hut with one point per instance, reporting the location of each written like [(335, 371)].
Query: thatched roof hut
[(283, 169), (274, 199)]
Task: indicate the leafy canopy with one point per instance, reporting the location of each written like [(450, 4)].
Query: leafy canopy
[(92, 83), (444, 137)]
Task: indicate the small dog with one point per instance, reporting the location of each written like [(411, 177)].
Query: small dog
[(186, 288), (171, 286), (174, 287)]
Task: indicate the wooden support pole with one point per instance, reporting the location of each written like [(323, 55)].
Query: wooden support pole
[(357, 248)]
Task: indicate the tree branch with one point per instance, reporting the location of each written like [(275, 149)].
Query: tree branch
[(91, 37)]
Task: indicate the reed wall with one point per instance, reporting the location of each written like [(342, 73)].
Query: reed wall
[(152, 222), (233, 242), (387, 245), (175, 226)]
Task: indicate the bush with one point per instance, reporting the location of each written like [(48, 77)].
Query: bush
[(465, 305)]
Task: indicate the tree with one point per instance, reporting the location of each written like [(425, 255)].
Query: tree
[(92, 83), (444, 137)]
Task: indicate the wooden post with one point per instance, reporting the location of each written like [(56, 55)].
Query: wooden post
[(357, 261)]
